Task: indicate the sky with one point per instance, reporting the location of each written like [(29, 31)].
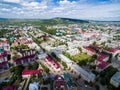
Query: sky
[(108, 10)]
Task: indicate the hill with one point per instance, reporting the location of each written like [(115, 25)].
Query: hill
[(52, 21)]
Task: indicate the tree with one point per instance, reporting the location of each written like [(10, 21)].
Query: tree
[(97, 87), (35, 65), (29, 66), (18, 69), (94, 56), (12, 69)]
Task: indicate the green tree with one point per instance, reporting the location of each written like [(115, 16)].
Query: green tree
[(12, 69), (35, 65)]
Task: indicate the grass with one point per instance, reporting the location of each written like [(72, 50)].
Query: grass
[(80, 57)]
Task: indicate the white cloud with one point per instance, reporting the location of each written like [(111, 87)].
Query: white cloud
[(65, 8), (5, 10), (12, 1)]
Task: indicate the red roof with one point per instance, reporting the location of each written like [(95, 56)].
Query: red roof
[(55, 64), (3, 54), (9, 88), (29, 72), (28, 42), (3, 63), (95, 46), (102, 56), (59, 81), (4, 42), (102, 65), (24, 58), (89, 49), (113, 49)]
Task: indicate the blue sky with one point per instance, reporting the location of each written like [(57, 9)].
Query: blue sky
[(79, 9)]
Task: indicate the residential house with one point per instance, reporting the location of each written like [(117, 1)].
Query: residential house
[(59, 82), (28, 56), (88, 76), (53, 63), (28, 73), (5, 45), (115, 79), (88, 50), (73, 52), (3, 60)]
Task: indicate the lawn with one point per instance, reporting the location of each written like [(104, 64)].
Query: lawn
[(79, 57)]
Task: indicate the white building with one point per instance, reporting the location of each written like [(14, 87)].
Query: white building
[(115, 79), (88, 76), (65, 59), (34, 86), (73, 52)]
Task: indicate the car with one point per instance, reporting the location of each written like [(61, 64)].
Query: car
[(86, 86)]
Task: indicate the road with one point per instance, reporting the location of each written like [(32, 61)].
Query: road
[(26, 85)]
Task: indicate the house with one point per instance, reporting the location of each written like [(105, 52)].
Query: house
[(88, 50), (34, 86), (26, 41), (25, 59), (12, 87), (115, 79), (26, 52), (28, 56), (53, 63), (3, 60), (59, 82), (88, 76), (113, 51), (5, 45), (101, 61), (28, 73), (65, 59), (73, 52), (102, 57), (70, 84), (102, 66)]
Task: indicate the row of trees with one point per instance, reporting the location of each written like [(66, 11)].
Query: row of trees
[(107, 74), (33, 66), (45, 68)]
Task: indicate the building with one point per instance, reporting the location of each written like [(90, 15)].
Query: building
[(65, 59), (28, 56), (70, 84), (5, 45), (73, 52), (101, 61), (3, 60), (28, 73), (113, 51), (88, 76), (53, 63), (12, 87), (88, 50), (34, 86), (59, 82), (26, 41), (115, 79)]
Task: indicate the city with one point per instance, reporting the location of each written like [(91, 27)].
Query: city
[(82, 56), (59, 44)]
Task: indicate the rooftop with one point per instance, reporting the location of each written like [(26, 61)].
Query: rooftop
[(116, 77), (29, 72), (102, 65)]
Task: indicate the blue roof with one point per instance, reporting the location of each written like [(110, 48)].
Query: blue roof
[(1, 50), (70, 84)]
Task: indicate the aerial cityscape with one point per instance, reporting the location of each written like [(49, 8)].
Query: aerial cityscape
[(60, 45)]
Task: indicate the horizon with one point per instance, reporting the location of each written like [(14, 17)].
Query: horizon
[(98, 10)]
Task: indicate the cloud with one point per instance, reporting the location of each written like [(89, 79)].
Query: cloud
[(81, 9), (12, 1), (5, 10)]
